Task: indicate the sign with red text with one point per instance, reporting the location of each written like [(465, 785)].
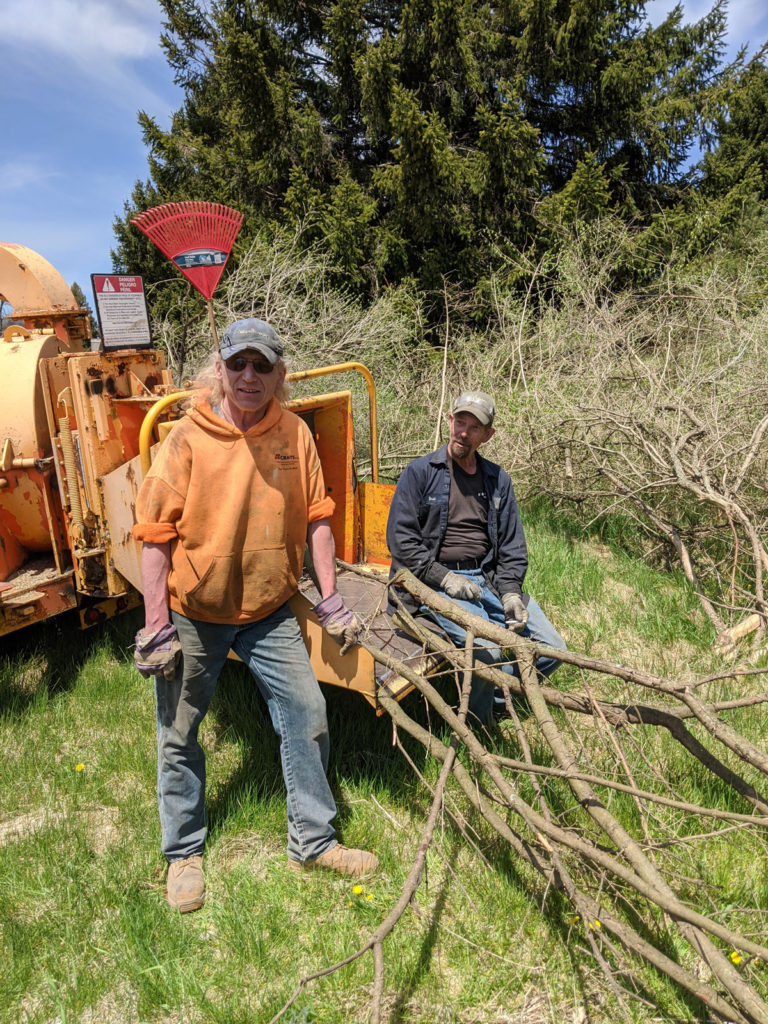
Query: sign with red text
[(121, 307)]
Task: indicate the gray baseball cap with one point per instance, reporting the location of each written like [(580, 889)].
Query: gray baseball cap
[(251, 333), (478, 403)]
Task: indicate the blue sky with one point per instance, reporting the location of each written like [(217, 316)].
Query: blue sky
[(75, 74)]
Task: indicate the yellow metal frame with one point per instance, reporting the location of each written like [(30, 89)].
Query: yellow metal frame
[(148, 425), (324, 371)]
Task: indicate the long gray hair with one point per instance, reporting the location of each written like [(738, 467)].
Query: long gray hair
[(206, 379)]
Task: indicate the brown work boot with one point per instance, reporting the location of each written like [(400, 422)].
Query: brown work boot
[(185, 890), (342, 859)]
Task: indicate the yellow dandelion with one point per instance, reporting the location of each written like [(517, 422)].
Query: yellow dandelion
[(595, 925), (79, 767), (357, 890), (369, 896), (736, 957), (575, 920)]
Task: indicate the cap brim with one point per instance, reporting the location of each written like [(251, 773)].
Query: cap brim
[(251, 346), (477, 413)]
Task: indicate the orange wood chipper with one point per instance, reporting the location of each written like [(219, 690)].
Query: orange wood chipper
[(77, 430)]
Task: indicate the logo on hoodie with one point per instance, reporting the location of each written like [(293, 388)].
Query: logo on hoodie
[(286, 461)]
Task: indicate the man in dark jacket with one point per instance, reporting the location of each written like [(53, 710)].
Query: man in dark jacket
[(454, 523)]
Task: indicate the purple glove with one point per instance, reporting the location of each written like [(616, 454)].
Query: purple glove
[(338, 621), (158, 654)]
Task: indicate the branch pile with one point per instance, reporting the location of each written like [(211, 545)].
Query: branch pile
[(624, 883)]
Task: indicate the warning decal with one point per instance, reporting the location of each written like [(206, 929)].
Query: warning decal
[(121, 307)]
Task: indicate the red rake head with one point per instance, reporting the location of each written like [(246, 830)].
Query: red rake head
[(198, 237)]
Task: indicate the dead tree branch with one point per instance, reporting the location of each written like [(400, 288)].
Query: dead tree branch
[(551, 847)]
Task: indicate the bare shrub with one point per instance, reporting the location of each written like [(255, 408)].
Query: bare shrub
[(654, 405)]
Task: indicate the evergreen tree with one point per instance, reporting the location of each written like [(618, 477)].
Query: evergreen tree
[(416, 138), (723, 214), (80, 298), (740, 159), (603, 81)]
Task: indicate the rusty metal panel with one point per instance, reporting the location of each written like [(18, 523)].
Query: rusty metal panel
[(24, 436), (55, 514), (33, 593), (104, 400), (330, 419), (55, 377), (111, 394), (99, 611), (12, 554), (375, 500), (23, 507), (120, 489), (31, 283), (353, 671), (22, 413)]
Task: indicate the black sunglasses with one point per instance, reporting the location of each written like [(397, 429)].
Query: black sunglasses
[(260, 364)]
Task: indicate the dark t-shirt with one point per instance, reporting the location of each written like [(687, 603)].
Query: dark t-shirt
[(467, 533)]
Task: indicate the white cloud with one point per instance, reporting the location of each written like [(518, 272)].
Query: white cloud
[(23, 173), (84, 31), (78, 70), (113, 44)]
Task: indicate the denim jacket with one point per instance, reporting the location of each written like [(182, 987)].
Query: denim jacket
[(418, 519)]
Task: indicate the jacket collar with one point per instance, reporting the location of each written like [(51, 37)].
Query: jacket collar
[(441, 456)]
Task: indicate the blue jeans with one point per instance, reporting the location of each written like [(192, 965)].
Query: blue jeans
[(275, 653), (490, 607)]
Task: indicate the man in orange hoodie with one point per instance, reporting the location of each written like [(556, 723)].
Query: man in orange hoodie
[(224, 514)]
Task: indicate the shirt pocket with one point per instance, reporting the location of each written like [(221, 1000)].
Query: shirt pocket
[(430, 505)]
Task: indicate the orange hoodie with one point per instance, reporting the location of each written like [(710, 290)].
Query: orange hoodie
[(235, 507)]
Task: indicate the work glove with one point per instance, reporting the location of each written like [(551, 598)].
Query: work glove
[(460, 587), (338, 621), (158, 653), (515, 612)]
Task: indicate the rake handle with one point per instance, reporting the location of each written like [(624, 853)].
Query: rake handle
[(214, 332)]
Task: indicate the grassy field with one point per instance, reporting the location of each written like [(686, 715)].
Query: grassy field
[(88, 939)]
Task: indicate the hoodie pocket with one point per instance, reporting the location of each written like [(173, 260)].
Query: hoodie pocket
[(242, 585)]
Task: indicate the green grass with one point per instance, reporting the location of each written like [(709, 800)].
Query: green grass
[(86, 935)]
